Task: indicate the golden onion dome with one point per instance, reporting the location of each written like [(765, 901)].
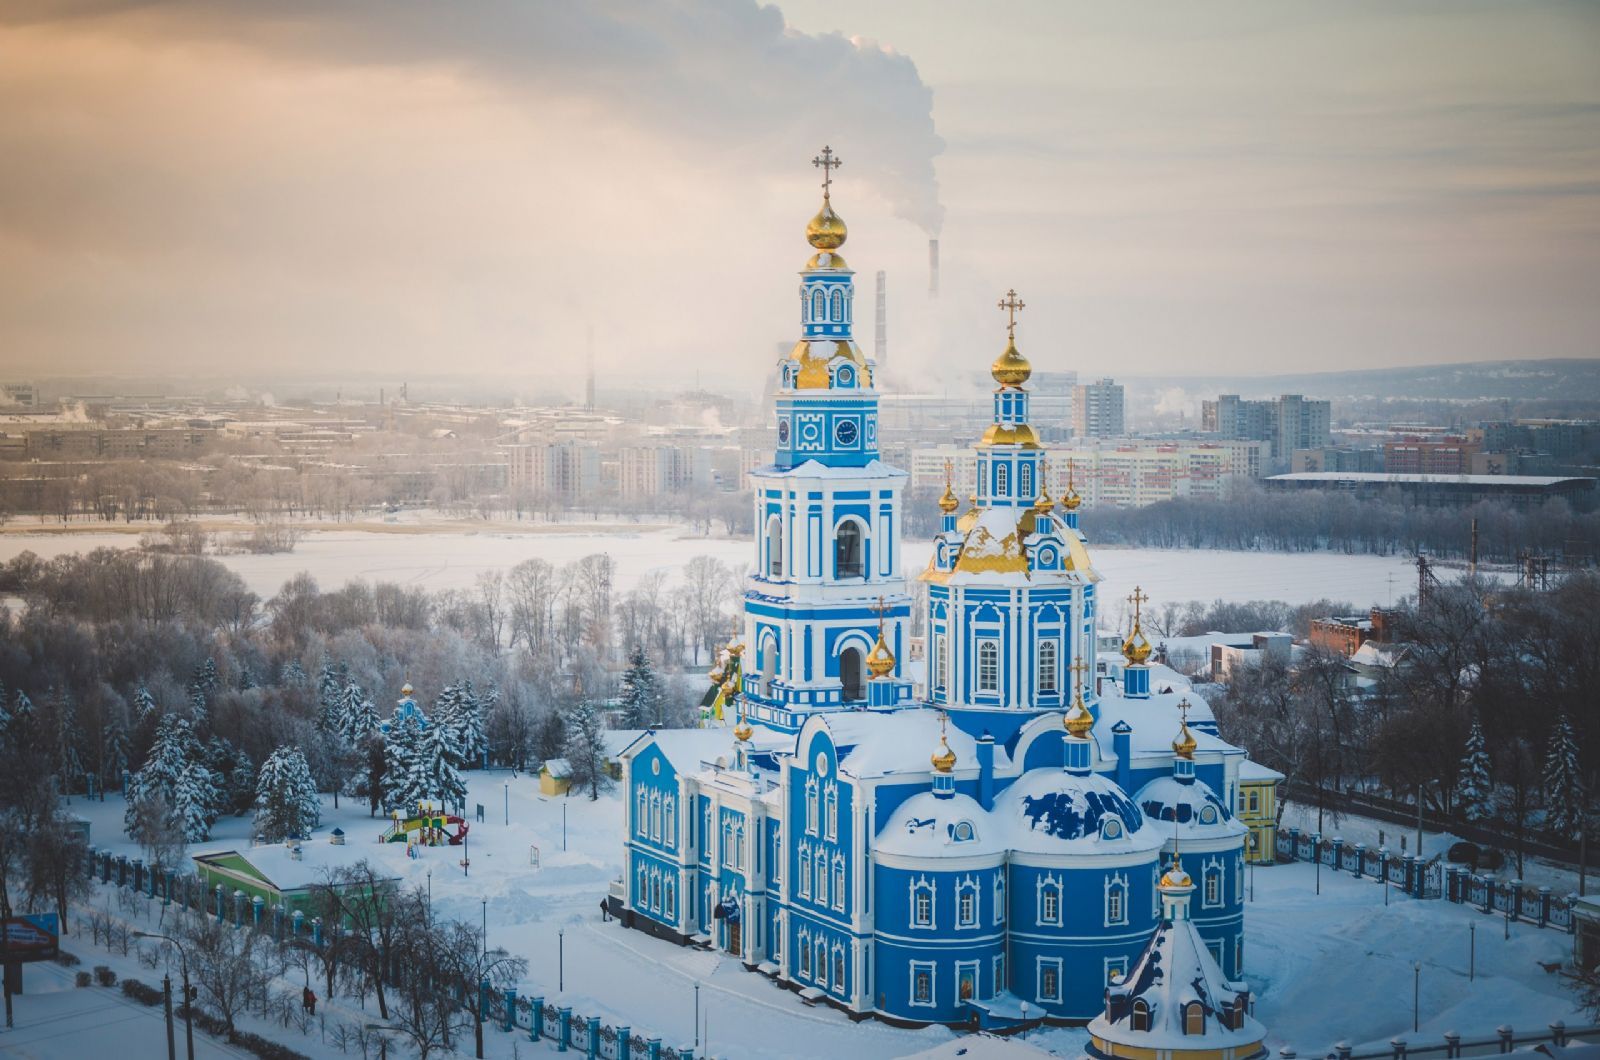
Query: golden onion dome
[(880, 661), (1184, 743), (406, 689), (715, 675), (742, 731), (944, 759), (1176, 875), (1042, 503), (1136, 649), (826, 230), (948, 502), (1021, 434), (735, 649), (729, 687), (1070, 500), (827, 259), (1078, 720), (1011, 368)]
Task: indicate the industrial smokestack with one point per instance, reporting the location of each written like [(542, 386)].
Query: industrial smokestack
[(880, 337), (933, 268)]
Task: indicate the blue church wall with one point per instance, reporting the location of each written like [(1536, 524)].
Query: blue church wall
[(833, 431), (1221, 922), (938, 934), (819, 823), (655, 888), (702, 819), (653, 798), (821, 954)]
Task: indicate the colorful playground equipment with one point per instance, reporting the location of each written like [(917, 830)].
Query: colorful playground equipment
[(431, 825)]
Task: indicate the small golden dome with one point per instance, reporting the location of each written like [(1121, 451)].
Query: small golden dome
[(406, 689), (827, 259), (880, 661), (1078, 720), (826, 230), (1184, 743), (729, 687), (1011, 434), (1070, 500), (1136, 649), (948, 502), (1042, 503), (1176, 875), (944, 759), (1011, 368), (742, 731), (735, 649), (715, 675)]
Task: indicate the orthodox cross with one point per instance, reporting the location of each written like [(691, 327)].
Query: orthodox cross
[(828, 162), (1069, 476), (1078, 669), (882, 610), (949, 472), (1183, 711), (1011, 304), (1138, 597)]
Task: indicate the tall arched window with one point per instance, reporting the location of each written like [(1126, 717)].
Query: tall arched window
[(838, 306), (851, 676), (1025, 481), (775, 547), (847, 550), (1047, 663), (1001, 479), (819, 306), (1141, 1015), (988, 666)]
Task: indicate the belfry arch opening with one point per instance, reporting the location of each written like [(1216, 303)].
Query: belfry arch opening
[(852, 674), (775, 547), (848, 548)]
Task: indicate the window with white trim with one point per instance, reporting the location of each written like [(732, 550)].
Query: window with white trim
[(1025, 481), (672, 896), (805, 955), (669, 822), (941, 662), (822, 963), (922, 904), (655, 815), (838, 968), (1001, 479), (804, 859), (967, 904), (1048, 664), (1049, 978), (1000, 896), (1213, 891), (833, 811), (999, 973), (1116, 970), (1116, 902), (1049, 902), (811, 805), (922, 983), (988, 666), (641, 816), (643, 901), (838, 881)]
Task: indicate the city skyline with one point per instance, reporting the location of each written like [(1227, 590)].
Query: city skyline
[(206, 190)]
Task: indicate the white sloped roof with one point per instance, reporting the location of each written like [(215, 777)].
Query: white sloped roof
[(1171, 804), (1051, 811), (924, 826)]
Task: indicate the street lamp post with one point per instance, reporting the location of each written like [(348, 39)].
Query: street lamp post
[(485, 902), (697, 1017), (188, 1002), (508, 803), (1416, 994), (1024, 1021), (1472, 952), (561, 962), (166, 1007)]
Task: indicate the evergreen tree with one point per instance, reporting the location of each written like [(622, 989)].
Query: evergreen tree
[(550, 737), (144, 704), (286, 796), (69, 741), (641, 692), (174, 774), (331, 682), (114, 755), (585, 749), (457, 712), (293, 674), (194, 801), (1474, 789), (22, 730), (235, 777), (357, 717), (400, 747), (1563, 782), (436, 769)]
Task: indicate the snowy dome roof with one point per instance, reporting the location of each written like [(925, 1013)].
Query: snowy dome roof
[(926, 826), (1051, 811), (1193, 807)]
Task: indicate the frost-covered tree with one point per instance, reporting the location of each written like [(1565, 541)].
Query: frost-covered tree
[(458, 713), (286, 796), (293, 674), (144, 704), (436, 769), (1474, 789), (332, 678), (1563, 782), (400, 747), (641, 692), (235, 775), (69, 742), (585, 749), (357, 717), (174, 774)]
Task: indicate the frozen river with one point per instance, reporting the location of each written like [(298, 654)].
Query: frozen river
[(451, 558)]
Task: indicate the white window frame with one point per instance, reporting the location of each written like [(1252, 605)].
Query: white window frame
[(967, 892), (1211, 893), (1116, 908), (670, 891), (1052, 964), (941, 660), (811, 805), (1002, 479), (1025, 481), (641, 815), (999, 972), (1049, 666), (803, 888), (976, 968), (1049, 911), (838, 969), (919, 888), (932, 969), (822, 877), (669, 822), (831, 797), (655, 816), (1000, 896), (838, 881), (1117, 965), (987, 675), (803, 941), (820, 961)]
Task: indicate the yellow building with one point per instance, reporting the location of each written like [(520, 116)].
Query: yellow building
[(1258, 810), (555, 777)]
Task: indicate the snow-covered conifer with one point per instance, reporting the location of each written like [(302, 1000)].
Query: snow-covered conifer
[(458, 713), (585, 749), (1474, 788), (436, 770), (194, 801), (174, 773), (356, 718), (1563, 781), (144, 704), (293, 674), (400, 747), (286, 796), (641, 692)]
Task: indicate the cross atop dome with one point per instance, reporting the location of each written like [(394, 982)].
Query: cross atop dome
[(1012, 305), (828, 162)]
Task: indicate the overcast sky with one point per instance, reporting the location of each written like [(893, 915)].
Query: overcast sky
[(405, 187)]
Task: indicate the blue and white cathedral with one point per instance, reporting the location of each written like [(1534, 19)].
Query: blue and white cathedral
[(982, 845)]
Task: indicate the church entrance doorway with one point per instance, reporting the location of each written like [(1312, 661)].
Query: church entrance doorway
[(851, 675), (733, 938)]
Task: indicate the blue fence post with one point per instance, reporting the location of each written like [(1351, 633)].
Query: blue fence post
[(1294, 843), (1515, 904), (122, 870), (1506, 1037), (277, 921), (93, 862), (1544, 906), (686, 1053), (593, 1037), (1383, 865), (316, 932), (652, 1048), (536, 1025), (238, 908), (1338, 853), (295, 923), (150, 881), (564, 1027), (172, 877), (105, 867), (256, 905), (138, 874), (511, 1009), (1488, 893), (623, 1044), (1452, 1044), (220, 900)]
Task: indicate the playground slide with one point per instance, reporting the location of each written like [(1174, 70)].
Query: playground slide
[(401, 831)]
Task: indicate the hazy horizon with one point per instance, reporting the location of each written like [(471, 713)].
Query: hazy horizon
[(207, 191)]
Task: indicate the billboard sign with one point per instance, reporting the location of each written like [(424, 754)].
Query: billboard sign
[(33, 937)]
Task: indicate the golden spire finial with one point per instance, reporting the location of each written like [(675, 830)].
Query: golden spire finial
[(1184, 743), (948, 502), (1070, 499), (827, 230), (827, 161), (1136, 649), (1011, 304), (944, 759), (743, 731), (1078, 720), (1011, 368), (880, 660), (1042, 503)]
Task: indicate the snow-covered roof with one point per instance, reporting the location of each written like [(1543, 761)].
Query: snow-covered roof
[(1254, 771), (1052, 811), (878, 743), (981, 1047), (615, 741), (814, 469), (1187, 806), (686, 749), (559, 768), (1175, 970), (1155, 722), (925, 826), (318, 857)]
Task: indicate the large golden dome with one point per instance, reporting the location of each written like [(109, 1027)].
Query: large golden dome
[(1010, 368), (1136, 649), (943, 759), (1078, 721), (880, 661), (826, 230)]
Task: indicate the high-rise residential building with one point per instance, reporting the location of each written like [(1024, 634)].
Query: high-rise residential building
[(564, 469), (654, 470), (1290, 422), (1097, 410)]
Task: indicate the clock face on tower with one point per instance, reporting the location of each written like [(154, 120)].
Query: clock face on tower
[(783, 432), (845, 432)]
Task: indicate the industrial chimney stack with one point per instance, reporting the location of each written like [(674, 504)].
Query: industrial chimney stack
[(880, 338), (933, 268)]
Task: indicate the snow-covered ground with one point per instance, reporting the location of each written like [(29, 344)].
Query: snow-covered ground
[(1324, 967), (445, 556)]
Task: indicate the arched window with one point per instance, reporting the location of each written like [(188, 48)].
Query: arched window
[(967, 904), (672, 897), (988, 666), (847, 550), (1140, 1021), (831, 819), (1116, 904), (811, 805), (838, 306), (819, 306), (838, 968), (1213, 895), (1025, 481), (1048, 664), (1194, 1018), (822, 878), (1050, 902), (805, 959), (851, 665), (1002, 479), (922, 904), (838, 881), (822, 963), (775, 547), (669, 822)]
